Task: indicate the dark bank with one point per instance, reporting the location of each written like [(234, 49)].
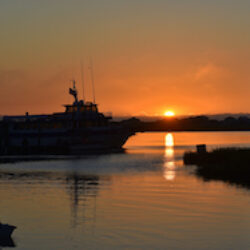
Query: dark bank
[(228, 164)]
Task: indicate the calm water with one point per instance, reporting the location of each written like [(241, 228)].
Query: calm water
[(142, 199)]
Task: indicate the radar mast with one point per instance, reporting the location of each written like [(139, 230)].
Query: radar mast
[(73, 91)]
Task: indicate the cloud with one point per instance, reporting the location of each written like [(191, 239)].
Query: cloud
[(208, 70)]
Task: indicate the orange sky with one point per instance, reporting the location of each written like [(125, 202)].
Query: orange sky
[(189, 56)]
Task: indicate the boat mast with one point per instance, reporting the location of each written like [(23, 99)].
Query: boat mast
[(92, 79), (82, 78), (73, 91)]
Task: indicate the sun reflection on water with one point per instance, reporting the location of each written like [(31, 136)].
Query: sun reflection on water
[(169, 140), (169, 165)]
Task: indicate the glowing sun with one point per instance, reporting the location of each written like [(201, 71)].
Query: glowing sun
[(169, 113)]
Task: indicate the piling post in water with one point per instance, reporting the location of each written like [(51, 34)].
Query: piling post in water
[(201, 148)]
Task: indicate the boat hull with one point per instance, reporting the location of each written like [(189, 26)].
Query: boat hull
[(77, 141)]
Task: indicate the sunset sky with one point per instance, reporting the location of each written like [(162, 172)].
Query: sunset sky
[(149, 56)]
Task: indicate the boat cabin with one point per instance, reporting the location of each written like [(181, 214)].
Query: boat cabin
[(81, 107)]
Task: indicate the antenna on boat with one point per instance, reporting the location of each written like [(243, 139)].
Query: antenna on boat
[(73, 91), (92, 78), (82, 78)]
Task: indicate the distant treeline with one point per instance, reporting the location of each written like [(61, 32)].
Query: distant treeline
[(197, 123)]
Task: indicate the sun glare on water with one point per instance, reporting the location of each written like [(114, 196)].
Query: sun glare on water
[(169, 113)]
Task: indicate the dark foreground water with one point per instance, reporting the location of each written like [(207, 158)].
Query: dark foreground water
[(142, 199)]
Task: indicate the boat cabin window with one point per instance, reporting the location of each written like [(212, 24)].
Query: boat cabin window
[(71, 109)]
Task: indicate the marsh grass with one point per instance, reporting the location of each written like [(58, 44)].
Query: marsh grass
[(228, 164)]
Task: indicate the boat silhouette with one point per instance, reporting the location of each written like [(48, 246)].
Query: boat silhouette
[(78, 130)]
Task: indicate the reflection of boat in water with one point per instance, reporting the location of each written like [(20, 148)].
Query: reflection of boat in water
[(6, 230), (81, 128), (82, 188)]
